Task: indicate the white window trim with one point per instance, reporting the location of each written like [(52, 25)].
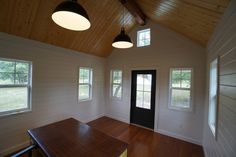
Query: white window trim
[(111, 85), (140, 31), (29, 88), (90, 84), (214, 128), (190, 109)]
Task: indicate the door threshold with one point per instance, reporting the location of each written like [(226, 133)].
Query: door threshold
[(142, 127)]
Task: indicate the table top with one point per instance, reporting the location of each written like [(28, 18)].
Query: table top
[(71, 138)]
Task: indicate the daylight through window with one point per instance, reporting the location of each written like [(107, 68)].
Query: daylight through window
[(213, 96), (180, 89), (116, 84), (143, 38), (15, 86), (85, 84)]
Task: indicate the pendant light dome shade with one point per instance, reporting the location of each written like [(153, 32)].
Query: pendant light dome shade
[(122, 40), (71, 15)]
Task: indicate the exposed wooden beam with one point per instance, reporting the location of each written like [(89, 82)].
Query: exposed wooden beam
[(135, 10)]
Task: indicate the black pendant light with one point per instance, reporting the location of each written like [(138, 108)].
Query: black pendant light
[(71, 15), (122, 41)]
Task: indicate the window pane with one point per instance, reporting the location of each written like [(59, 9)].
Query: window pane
[(81, 76), (116, 91), (84, 75), (186, 79), (22, 67), (6, 78), (147, 35), (142, 35), (180, 98), (147, 82), (84, 92), (176, 78), (213, 96), (146, 42), (147, 100), (21, 79), (140, 82), (13, 98), (7, 66), (139, 99), (141, 43), (117, 76), (143, 38)]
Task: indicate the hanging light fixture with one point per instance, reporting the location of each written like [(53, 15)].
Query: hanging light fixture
[(122, 41), (71, 15)]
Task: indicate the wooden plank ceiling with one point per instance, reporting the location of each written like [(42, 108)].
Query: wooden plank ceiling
[(31, 19)]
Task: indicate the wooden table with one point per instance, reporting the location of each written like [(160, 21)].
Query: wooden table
[(71, 138)]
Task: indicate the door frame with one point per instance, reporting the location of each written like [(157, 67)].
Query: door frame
[(157, 97)]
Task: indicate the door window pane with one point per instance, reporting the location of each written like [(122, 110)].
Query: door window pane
[(147, 82), (139, 99), (140, 82), (147, 100), (143, 94)]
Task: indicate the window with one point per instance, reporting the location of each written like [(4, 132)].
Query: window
[(116, 84), (15, 86), (143, 91), (213, 95), (85, 84), (143, 38), (180, 94)]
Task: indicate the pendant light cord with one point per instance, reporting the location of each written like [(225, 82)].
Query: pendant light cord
[(124, 17)]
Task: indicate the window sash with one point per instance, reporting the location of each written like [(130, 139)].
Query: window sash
[(89, 84), (116, 84), (213, 96), (29, 89), (171, 88), (28, 86), (141, 41)]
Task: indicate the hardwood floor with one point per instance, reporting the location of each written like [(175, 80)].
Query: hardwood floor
[(146, 143)]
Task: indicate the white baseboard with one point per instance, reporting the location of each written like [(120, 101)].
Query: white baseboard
[(93, 118), (14, 148), (117, 118), (160, 131), (181, 137)]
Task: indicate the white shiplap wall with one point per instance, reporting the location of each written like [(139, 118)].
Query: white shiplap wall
[(223, 44), (55, 73)]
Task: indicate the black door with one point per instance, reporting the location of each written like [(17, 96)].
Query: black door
[(143, 89)]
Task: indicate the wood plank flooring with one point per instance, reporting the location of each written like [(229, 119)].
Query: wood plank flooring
[(146, 143)]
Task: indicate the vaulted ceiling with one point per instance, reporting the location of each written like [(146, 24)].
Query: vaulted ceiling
[(196, 19)]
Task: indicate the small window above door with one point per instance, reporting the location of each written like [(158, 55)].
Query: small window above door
[(144, 37)]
